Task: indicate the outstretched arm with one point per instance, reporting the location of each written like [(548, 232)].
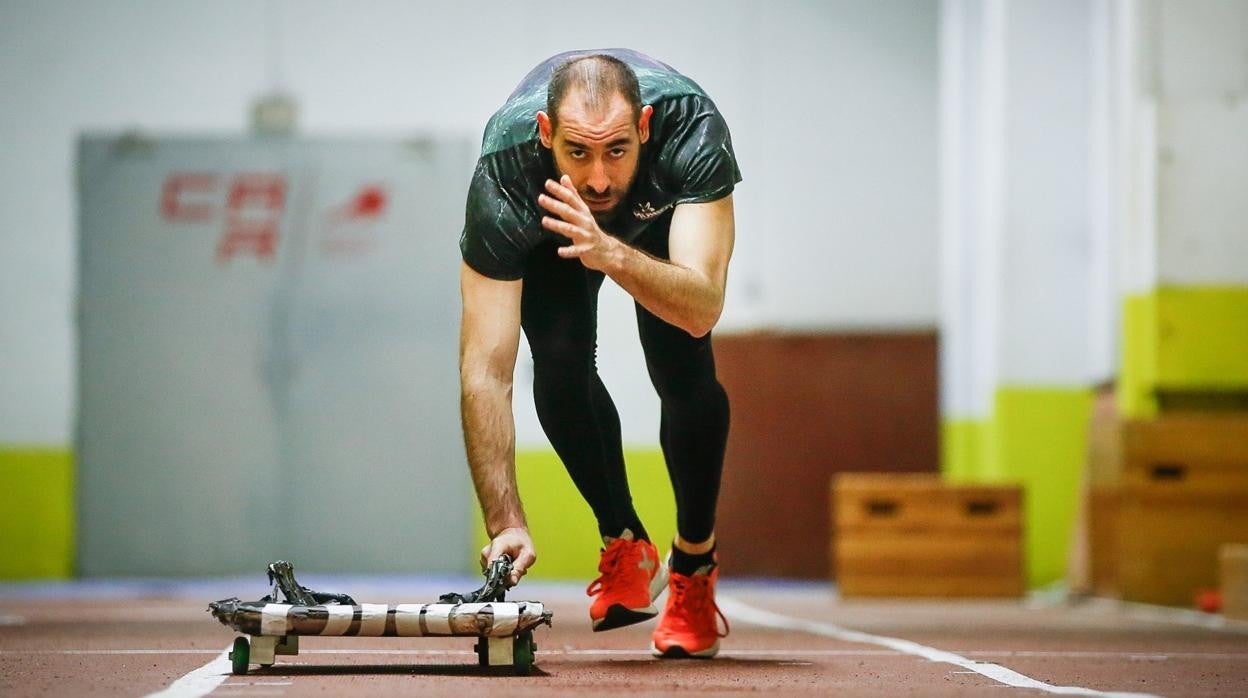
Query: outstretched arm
[(489, 336), (686, 290)]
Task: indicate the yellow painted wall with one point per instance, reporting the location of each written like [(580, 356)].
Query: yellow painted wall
[(562, 526), (36, 513), (965, 446), (1042, 443), (1035, 437), (1182, 338), (1188, 338)]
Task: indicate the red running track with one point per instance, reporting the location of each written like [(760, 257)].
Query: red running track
[(786, 640)]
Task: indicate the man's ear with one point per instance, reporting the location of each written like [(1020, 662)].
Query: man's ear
[(544, 130), (643, 124)]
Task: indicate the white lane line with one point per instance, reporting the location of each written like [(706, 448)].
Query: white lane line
[(11, 620), (201, 681), (108, 651), (432, 653), (1145, 612), (757, 616), (734, 652), (1182, 616), (136, 614), (1134, 656)]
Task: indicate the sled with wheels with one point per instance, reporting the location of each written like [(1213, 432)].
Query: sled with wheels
[(504, 629)]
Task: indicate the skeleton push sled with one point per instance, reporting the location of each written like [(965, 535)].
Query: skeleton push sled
[(504, 629)]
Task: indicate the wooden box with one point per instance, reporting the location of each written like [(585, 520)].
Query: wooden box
[(1094, 552), (1184, 493), (1233, 562), (913, 535), (1102, 524)]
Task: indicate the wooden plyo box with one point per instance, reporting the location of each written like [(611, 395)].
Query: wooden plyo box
[(1183, 494), (1233, 563), (913, 535), (1102, 482)]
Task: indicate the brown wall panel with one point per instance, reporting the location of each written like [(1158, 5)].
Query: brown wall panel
[(805, 406)]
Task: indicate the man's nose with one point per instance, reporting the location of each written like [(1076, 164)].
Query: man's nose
[(598, 181)]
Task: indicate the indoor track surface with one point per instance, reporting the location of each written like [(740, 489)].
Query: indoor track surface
[(143, 637)]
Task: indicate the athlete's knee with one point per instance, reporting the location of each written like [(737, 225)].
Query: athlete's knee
[(561, 354), (677, 388), (683, 375)]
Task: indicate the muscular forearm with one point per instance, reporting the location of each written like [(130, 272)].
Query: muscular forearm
[(679, 295), (687, 289), (490, 439)]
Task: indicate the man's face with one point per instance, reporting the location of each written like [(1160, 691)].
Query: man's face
[(598, 148)]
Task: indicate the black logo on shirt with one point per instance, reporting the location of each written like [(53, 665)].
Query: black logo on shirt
[(645, 212)]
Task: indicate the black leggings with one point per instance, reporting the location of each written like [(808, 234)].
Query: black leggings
[(559, 314)]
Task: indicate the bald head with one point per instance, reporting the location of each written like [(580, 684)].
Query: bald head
[(595, 80)]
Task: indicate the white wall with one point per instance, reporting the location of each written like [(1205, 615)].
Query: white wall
[(1201, 65), (832, 107), (1046, 251), (1021, 260), (1187, 101)]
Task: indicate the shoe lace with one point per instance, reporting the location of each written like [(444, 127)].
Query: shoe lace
[(695, 595), (614, 556)]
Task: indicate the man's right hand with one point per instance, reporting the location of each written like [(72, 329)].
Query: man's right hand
[(516, 543)]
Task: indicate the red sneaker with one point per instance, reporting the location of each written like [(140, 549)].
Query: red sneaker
[(632, 577), (689, 626)]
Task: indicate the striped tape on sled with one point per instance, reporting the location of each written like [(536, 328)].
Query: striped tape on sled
[(493, 619)]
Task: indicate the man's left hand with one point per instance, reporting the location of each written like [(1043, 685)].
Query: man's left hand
[(571, 218)]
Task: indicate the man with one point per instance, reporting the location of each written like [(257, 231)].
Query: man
[(603, 164)]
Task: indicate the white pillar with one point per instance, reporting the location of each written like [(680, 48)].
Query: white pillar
[(1024, 252), (970, 225)]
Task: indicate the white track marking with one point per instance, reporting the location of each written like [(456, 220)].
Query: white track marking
[(201, 681), (111, 652), (756, 616), (1182, 616), (128, 613), (430, 653), (734, 652), (1134, 656), (12, 620), (1145, 612)]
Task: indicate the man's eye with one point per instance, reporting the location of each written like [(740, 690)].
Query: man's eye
[(617, 152), (576, 154)]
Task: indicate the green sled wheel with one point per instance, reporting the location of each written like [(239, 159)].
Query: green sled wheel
[(522, 653), (240, 656)]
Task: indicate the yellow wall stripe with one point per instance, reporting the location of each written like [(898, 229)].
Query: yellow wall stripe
[(36, 513), (1036, 437), (562, 526), (1192, 338), (965, 449), (1137, 376), (1042, 436)]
